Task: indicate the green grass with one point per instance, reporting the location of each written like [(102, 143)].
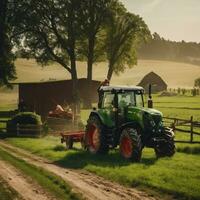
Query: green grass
[(6, 192), (178, 175), (52, 183), (178, 106)]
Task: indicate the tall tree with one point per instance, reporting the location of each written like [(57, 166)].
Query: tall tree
[(94, 14), (52, 32), (125, 32), (7, 68)]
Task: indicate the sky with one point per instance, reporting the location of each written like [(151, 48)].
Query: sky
[(172, 19)]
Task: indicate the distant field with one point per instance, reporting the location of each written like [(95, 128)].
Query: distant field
[(175, 74), (178, 106)]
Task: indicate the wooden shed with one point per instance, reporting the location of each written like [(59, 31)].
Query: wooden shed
[(158, 84), (42, 97)]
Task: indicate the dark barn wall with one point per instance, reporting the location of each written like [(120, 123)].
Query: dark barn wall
[(43, 97)]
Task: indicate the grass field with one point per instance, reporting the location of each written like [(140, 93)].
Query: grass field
[(179, 106), (52, 183), (175, 74)]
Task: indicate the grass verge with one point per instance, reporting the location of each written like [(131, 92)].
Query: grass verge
[(50, 182)]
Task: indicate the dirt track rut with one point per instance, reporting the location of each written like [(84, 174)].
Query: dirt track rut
[(90, 186), (25, 187)]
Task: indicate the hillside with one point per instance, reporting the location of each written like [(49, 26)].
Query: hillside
[(175, 74)]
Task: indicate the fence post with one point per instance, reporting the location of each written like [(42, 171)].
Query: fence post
[(191, 129)]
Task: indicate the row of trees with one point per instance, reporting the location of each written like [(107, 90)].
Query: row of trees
[(65, 31), (159, 48)]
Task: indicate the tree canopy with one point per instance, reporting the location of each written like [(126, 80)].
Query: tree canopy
[(124, 33), (65, 31)]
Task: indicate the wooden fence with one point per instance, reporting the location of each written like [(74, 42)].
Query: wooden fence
[(3, 125), (189, 127), (8, 114), (4, 117)]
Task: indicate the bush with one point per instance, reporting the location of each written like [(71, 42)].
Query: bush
[(197, 83), (23, 118)]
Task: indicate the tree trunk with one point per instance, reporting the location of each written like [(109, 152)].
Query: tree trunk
[(110, 71), (75, 91), (91, 42)]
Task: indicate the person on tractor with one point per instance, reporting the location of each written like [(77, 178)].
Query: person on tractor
[(123, 102)]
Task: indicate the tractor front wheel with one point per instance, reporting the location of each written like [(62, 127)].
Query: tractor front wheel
[(95, 136), (130, 145), (167, 147)]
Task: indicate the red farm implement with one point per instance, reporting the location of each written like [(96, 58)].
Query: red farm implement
[(70, 137)]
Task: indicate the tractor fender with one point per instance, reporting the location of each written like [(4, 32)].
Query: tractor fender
[(130, 124), (95, 113)]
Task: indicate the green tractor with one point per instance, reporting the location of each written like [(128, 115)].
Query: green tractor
[(121, 119)]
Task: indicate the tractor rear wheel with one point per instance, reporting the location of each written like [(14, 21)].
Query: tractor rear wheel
[(166, 148), (95, 136), (130, 145)]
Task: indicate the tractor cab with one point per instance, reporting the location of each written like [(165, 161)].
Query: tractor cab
[(117, 102), (121, 96)]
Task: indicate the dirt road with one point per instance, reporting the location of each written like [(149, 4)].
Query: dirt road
[(90, 186), (24, 186)]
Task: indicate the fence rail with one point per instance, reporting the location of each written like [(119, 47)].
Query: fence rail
[(176, 124), (8, 114), (3, 125)]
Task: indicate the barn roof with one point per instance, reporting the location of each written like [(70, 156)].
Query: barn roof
[(49, 81), (152, 78)]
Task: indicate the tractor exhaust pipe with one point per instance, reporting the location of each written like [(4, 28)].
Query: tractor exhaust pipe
[(150, 101)]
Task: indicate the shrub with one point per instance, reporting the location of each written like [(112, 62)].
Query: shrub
[(23, 118)]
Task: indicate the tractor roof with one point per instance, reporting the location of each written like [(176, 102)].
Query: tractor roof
[(119, 87)]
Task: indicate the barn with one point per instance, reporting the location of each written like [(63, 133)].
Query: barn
[(158, 84), (42, 97)]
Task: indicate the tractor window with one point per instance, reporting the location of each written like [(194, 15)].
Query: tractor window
[(126, 99), (139, 98), (108, 100)]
